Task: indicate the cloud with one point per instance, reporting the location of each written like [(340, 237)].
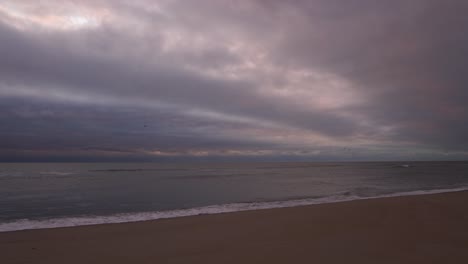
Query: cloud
[(407, 57), (258, 78)]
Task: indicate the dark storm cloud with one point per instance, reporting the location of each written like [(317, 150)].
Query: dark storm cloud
[(47, 127), (42, 61), (251, 78)]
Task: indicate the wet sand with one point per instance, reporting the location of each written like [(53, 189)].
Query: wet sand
[(414, 229)]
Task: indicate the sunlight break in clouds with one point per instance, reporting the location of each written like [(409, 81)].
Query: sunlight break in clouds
[(68, 16)]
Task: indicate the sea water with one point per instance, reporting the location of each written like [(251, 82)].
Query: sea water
[(45, 195)]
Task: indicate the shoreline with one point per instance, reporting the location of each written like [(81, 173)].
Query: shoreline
[(62, 222), (428, 228)]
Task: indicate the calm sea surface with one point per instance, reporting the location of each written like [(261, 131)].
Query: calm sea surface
[(40, 192)]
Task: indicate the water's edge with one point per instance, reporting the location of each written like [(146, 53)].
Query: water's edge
[(26, 224)]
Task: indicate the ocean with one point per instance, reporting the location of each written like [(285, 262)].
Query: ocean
[(47, 195)]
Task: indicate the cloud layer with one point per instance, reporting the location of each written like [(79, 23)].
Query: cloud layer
[(312, 80)]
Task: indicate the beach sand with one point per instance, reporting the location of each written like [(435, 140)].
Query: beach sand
[(414, 229)]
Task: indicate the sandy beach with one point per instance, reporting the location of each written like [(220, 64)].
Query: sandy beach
[(414, 229)]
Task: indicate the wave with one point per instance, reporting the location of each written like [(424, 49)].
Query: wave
[(25, 224), (38, 175), (135, 170), (57, 173)]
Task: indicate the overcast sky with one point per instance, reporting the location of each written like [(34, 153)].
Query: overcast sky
[(233, 80)]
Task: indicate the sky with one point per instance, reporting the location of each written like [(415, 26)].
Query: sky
[(316, 80)]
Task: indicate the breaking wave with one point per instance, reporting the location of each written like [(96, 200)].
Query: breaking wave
[(24, 224)]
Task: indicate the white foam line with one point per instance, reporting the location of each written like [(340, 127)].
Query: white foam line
[(25, 224)]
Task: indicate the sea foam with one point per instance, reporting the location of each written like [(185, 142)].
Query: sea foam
[(25, 224)]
